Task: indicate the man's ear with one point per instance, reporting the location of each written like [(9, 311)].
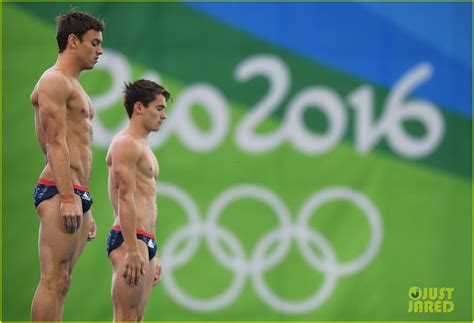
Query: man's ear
[(73, 41), (138, 107)]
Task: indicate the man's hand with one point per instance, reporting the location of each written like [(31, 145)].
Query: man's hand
[(134, 267), (92, 229), (71, 212), (158, 272)]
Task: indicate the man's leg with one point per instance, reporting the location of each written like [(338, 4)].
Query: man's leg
[(150, 274), (127, 299), (57, 248), (83, 231)]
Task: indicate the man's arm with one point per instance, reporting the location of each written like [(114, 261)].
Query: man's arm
[(54, 92), (125, 155)]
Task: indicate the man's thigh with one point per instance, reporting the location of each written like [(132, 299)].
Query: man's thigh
[(124, 295), (83, 232), (150, 275), (56, 245)]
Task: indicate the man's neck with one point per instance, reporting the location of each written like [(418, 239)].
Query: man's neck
[(137, 130), (68, 65)]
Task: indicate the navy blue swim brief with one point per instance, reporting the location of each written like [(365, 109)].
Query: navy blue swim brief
[(45, 189), (115, 239)]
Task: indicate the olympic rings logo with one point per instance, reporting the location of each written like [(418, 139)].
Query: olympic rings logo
[(261, 260)]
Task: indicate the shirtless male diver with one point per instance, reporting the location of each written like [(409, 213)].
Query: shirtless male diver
[(63, 116), (133, 170)]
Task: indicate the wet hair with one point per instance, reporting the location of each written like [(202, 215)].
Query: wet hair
[(144, 91), (76, 23)]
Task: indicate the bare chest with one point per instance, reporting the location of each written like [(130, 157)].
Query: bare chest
[(148, 165), (80, 105)]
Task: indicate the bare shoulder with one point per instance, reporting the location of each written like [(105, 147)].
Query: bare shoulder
[(54, 82), (125, 147)]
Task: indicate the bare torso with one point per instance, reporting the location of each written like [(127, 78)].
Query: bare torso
[(78, 134), (146, 173)]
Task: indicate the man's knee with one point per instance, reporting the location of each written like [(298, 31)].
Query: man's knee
[(66, 283), (57, 281)]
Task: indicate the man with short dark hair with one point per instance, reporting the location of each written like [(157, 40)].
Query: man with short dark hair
[(63, 124), (133, 170)]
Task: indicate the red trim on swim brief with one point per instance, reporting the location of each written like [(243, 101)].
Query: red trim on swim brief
[(146, 234), (52, 183)]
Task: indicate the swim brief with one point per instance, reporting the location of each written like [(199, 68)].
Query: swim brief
[(45, 189), (115, 239)]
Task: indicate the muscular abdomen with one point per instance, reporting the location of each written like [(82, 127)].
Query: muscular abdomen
[(145, 198), (79, 141)]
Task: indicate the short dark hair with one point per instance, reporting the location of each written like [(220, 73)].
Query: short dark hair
[(143, 91), (76, 23)]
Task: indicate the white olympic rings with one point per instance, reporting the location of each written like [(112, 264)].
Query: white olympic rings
[(261, 261)]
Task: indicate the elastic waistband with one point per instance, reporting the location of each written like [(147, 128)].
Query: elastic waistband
[(146, 234), (52, 183)]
